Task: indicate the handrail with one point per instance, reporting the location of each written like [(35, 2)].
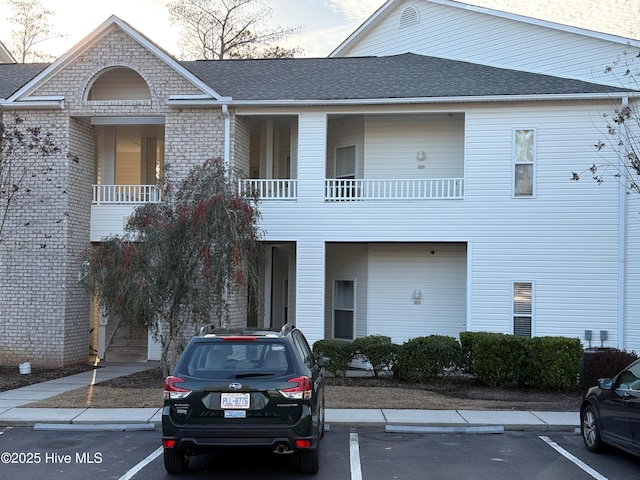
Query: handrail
[(126, 194), (269, 189), (337, 189)]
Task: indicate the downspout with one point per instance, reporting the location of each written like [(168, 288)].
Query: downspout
[(224, 322), (227, 135), (622, 218)]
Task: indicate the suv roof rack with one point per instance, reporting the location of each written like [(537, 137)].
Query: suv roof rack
[(211, 329)]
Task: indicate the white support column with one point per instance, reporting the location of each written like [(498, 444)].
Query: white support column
[(312, 157), (310, 281)]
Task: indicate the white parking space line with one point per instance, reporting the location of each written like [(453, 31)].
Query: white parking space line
[(129, 475), (354, 454), (573, 459)]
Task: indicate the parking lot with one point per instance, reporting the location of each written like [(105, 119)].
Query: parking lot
[(367, 453)]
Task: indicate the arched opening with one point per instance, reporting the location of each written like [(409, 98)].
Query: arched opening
[(119, 83)]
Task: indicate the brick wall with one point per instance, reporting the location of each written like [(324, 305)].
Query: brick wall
[(45, 314)]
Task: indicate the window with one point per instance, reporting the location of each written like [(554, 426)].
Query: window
[(119, 83), (343, 308), (346, 162), (522, 308), (524, 162)]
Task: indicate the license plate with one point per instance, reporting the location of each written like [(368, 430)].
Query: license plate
[(234, 400)]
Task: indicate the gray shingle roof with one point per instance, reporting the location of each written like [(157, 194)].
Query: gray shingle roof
[(327, 79), (15, 75), (400, 76)]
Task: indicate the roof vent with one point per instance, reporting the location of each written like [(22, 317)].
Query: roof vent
[(409, 17)]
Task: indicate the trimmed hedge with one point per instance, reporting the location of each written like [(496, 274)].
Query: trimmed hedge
[(340, 352), (500, 359), (554, 362), (422, 358), (377, 350)]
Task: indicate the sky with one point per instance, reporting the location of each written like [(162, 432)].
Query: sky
[(324, 24)]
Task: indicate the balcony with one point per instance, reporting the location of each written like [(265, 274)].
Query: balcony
[(277, 189), (126, 194), (341, 190)]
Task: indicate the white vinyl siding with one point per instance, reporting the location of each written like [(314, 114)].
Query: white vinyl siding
[(393, 143), (460, 33), (551, 240), (397, 270)]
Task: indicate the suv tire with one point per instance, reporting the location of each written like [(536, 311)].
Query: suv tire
[(175, 461), (308, 461)]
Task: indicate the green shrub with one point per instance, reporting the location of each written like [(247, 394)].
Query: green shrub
[(422, 358), (500, 359), (554, 362), (599, 363), (340, 352), (467, 340), (377, 350)]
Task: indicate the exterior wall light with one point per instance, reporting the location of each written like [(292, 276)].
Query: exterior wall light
[(421, 156)]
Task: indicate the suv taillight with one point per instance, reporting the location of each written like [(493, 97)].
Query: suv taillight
[(301, 391), (173, 392)]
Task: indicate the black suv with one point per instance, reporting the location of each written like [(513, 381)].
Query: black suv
[(244, 389)]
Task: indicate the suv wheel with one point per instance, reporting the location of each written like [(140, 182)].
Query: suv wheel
[(308, 461), (175, 461)]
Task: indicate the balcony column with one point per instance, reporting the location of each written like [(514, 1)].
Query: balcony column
[(312, 142), (310, 285), (266, 150)]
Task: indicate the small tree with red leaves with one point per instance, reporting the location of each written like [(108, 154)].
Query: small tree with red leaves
[(180, 260)]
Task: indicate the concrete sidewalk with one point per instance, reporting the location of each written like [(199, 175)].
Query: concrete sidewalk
[(13, 412)]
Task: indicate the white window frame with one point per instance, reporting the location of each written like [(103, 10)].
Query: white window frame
[(335, 307), (515, 312), (520, 160)]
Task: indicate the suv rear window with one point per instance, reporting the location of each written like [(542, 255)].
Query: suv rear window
[(223, 360)]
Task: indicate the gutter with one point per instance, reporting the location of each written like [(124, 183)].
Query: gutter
[(437, 100), (48, 102), (622, 218)]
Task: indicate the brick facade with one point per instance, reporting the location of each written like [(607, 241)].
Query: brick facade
[(46, 314)]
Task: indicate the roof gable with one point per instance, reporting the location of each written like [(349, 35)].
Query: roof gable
[(25, 91), (391, 5), (454, 30), (5, 55)]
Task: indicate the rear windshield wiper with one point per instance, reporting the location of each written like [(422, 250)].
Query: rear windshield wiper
[(254, 374)]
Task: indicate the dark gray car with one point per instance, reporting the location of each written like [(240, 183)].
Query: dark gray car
[(610, 412), (245, 389)]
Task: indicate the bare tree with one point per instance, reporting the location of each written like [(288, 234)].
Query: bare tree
[(33, 26), (21, 162), (217, 29), (621, 129)]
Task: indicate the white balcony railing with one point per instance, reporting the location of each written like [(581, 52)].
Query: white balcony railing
[(126, 194), (273, 189), (401, 189)]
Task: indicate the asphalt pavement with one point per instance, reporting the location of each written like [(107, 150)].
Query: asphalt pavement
[(15, 412)]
